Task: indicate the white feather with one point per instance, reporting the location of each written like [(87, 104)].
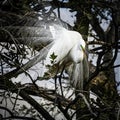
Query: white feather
[(68, 47)]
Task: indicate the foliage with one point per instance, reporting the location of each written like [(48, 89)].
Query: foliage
[(19, 31)]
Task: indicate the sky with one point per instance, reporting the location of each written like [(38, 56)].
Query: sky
[(67, 16)]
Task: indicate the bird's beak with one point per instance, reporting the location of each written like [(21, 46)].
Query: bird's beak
[(84, 50)]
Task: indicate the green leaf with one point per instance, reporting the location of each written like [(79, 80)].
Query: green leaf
[(53, 56)]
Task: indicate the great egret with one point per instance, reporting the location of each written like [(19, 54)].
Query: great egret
[(67, 48)]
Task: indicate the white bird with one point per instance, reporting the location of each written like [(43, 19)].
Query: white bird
[(67, 49)]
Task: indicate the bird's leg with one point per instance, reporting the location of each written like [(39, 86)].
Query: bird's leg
[(60, 80)]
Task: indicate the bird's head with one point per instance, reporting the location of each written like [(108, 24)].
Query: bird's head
[(78, 38)]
